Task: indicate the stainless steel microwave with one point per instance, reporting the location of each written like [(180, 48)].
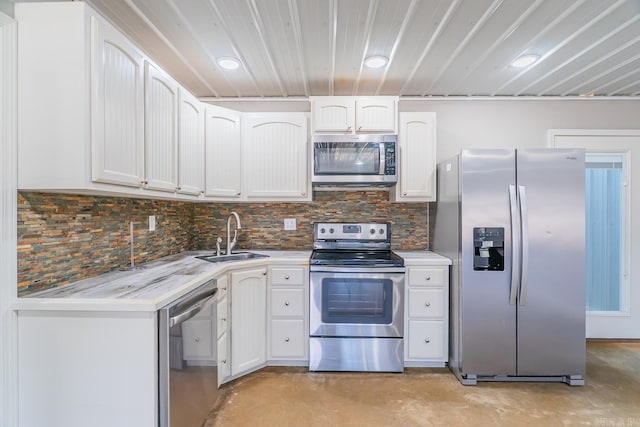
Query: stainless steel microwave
[(355, 160)]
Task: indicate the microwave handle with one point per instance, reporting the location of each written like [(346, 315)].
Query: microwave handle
[(382, 158)]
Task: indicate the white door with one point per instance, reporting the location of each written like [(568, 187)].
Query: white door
[(222, 153), (248, 319), (376, 114), (333, 113), (612, 235), (117, 144), (191, 145), (161, 130), (275, 150), (417, 145)]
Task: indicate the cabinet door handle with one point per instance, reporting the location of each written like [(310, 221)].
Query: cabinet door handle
[(286, 339), (427, 340), (427, 304), (224, 319), (359, 128), (144, 182), (224, 288), (224, 361), (197, 339), (286, 277), (349, 128), (304, 194), (286, 303), (238, 193), (427, 278), (264, 274)]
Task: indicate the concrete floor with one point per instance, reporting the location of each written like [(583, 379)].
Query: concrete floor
[(434, 397)]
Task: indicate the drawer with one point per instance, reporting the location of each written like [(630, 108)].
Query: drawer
[(197, 340), (222, 317), (287, 276), (288, 339), (287, 302), (427, 276), (426, 340), (426, 302)]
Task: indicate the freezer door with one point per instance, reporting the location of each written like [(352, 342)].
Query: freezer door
[(551, 300), (487, 323)]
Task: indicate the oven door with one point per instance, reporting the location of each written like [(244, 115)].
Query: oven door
[(357, 302)]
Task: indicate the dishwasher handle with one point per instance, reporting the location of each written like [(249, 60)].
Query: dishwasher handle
[(193, 309)]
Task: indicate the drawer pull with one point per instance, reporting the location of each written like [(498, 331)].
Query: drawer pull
[(286, 303), (224, 319), (427, 278), (286, 339), (197, 339), (427, 340), (224, 361), (427, 304)]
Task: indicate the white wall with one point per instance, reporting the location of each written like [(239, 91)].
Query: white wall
[(8, 200), (520, 123)]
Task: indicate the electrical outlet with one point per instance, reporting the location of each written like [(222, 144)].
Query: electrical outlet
[(290, 224), (152, 223)]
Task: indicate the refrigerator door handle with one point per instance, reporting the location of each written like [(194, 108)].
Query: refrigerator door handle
[(515, 244), (524, 223)]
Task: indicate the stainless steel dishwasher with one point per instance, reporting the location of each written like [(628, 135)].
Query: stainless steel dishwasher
[(186, 392)]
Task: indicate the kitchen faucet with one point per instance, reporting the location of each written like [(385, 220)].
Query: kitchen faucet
[(230, 243)]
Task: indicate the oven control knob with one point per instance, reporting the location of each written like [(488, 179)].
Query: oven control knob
[(331, 230), (381, 231), (372, 231), (322, 231)]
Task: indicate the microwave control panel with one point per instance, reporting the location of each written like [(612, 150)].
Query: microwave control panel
[(390, 158)]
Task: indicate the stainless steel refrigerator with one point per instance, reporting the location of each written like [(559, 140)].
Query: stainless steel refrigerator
[(513, 223)]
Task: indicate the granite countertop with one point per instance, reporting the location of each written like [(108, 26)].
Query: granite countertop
[(423, 258), (149, 288), (160, 282)]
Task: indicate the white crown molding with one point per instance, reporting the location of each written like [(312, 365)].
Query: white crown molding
[(435, 98), (8, 220)]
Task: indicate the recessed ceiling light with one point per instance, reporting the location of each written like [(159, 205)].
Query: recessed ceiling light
[(376, 61), (228, 63), (525, 60)]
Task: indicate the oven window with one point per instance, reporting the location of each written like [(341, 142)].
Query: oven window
[(357, 301)]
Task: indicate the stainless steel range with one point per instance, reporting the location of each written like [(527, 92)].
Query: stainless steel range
[(357, 299)]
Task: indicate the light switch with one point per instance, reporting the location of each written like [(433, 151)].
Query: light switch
[(289, 224), (152, 223)]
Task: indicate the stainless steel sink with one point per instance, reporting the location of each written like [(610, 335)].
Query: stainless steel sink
[(239, 256)]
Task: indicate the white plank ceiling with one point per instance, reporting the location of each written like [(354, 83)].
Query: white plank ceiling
[(298, 48)]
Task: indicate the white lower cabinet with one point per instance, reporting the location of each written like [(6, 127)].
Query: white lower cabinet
[(426, 341), (288, 331), (248, 314)]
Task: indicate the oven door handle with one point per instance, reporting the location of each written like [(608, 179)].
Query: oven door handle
[(366, 270), (192, 310)]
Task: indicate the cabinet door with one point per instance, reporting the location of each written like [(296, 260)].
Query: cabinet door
[(222, 153), (224, 367), (333, 114), (275, 148), (248, 319), (161, 130), (288, 339), (417, 142), (376, 114), (117, 136), (426, 340), (191, 145)]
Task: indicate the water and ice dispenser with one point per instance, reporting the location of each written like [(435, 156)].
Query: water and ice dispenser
[(488, 247)]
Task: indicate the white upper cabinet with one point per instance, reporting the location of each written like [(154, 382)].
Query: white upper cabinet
[(275, 156), (117, 87), (351, 114), (222, 153), (161, 130), (417, 144), (107, 117), (190, 145)]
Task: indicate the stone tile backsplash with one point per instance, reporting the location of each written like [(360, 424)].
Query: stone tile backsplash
[(63, 238)]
